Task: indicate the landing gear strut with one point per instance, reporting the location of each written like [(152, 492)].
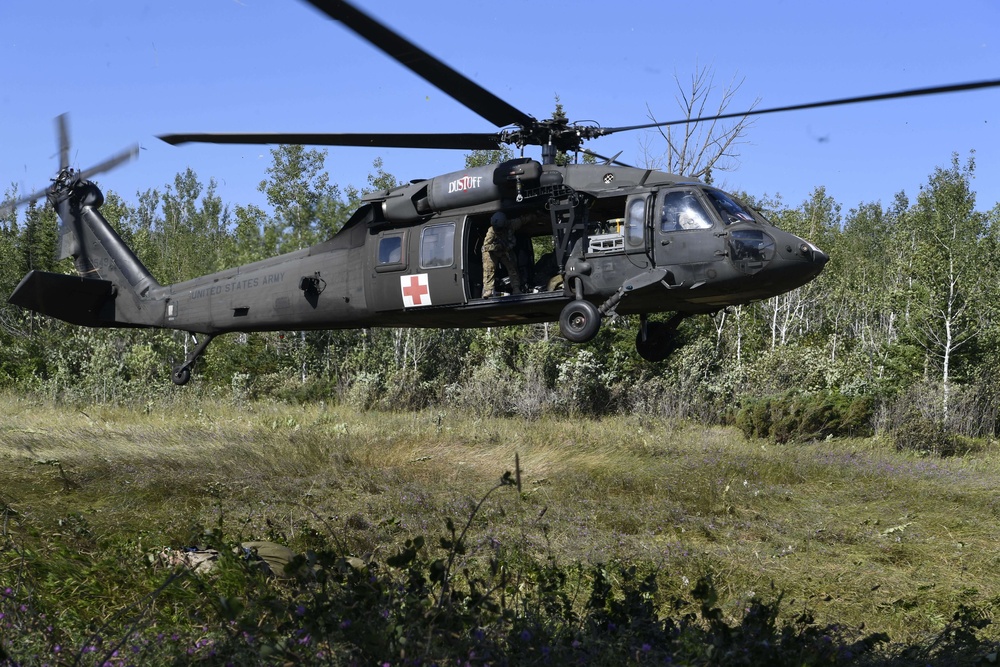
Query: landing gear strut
[(657, 340), (182, 372)]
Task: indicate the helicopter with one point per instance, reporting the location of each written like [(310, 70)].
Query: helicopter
[(620, 240)]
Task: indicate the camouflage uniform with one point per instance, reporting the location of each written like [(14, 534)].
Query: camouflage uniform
[(498, 247)]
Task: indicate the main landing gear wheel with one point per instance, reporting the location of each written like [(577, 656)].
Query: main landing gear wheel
[(181, 375), (658, 340), (579, 321)]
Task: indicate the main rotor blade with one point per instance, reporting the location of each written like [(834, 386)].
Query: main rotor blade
[(914, 92), (66, 176), (606, 160), (408, 54), (62, 132), (8, 207), (469, 141), (125, 155)]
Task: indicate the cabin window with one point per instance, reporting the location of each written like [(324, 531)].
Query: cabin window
[(681, 210), (635, 222), (437, 246), (390, 249)]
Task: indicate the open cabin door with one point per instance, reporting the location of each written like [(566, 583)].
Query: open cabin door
[(417, 267)]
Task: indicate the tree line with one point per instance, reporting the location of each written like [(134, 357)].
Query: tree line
[(899, 333)]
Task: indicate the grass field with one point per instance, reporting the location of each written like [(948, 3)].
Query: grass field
[(850, 532)]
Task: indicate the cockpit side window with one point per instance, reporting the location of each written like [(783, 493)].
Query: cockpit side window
[(728, 208), (681, 210)]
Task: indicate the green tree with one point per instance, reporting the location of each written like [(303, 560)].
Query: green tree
[(13, 328), (251, 241), (191, 237), (37, 240), (307, 207), (864, 287), (380, 179), (481, 158), (801, 312)]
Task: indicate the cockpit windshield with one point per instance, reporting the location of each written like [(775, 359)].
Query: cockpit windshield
[(728, 208)]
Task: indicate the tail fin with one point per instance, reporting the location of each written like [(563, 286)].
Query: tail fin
[(114, 287), (96, 249)]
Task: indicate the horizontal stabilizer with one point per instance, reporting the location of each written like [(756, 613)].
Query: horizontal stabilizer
[(84, 301)]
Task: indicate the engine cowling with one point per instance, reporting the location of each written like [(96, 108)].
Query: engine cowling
[(459, 189)]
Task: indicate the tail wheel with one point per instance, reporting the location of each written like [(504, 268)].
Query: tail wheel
[(579, 321)]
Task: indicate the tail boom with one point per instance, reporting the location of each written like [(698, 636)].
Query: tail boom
[(113, 288)]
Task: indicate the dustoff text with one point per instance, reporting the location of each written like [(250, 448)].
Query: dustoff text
[(465, 183)]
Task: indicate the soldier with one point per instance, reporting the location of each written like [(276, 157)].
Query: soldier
[(498, 247)]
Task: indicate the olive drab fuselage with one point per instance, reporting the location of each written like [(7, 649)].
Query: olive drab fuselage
[(412, 256), (612, 240)]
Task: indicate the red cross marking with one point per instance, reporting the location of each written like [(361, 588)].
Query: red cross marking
[(415, 291)]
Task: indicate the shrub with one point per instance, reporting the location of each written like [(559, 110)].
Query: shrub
[(916, 420), (363, 391), (579, 387), (914, 431), (489, 391), (801, 417)]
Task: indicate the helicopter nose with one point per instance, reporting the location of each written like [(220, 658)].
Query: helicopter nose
[(809, 252), (801, 259), (819, 257)]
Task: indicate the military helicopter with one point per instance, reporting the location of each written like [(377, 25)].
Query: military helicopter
[(623, 240)]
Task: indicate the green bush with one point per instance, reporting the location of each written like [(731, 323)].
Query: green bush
[(916, 432), (802, 417), (489, 390)]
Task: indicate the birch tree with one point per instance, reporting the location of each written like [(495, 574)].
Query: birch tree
[(952, 271)]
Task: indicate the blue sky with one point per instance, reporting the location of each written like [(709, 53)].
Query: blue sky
[(127, 70)]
